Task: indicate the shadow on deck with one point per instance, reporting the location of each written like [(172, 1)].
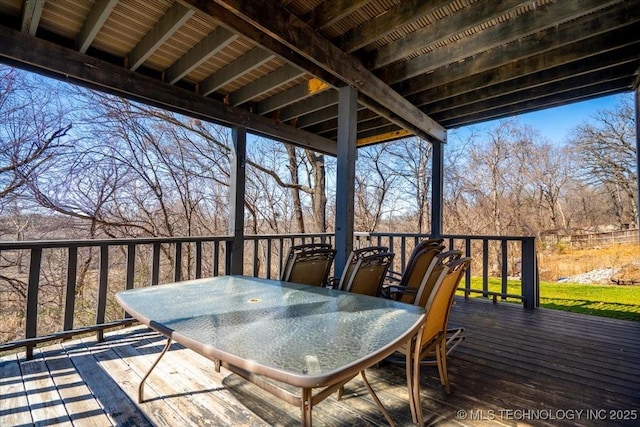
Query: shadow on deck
[(517, 366)]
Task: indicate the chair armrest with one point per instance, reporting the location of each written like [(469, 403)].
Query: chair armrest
[(332, 282), (396, 292)]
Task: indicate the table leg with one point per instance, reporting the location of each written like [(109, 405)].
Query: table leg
[(307, 405), (141, 386), (375, 398)]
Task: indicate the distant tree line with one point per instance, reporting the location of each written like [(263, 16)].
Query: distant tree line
[(79, 164), (106, 167)]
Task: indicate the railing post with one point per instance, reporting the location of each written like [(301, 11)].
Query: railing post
[(70, 289), (102, 290), (177, 262), (530, 292), (32, 298)]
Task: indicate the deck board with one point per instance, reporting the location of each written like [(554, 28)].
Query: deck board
[(515, 367)]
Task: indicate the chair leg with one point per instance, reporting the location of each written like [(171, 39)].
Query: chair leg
[(441, 354), (340, 393), (416, 387), (410, 389)]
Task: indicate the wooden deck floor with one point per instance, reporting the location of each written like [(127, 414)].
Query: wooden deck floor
[(516, 367)]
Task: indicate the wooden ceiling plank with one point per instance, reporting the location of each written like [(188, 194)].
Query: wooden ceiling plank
[(567, 60), (331, 11), (570, 75), (292, 95), (583, 94), (392, 135), (95, 20), (72, 66), (310, 105), (168, 24), (443, 29), (317, 117), (279, 77), (205, 49), (31, 14), (582, 29), (405, 13), (512, 30), (291, 35), (330, 123), (529, 98), (246, 63)]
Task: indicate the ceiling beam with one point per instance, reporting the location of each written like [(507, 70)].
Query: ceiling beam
[(315, 103), (542, 43), (95, 20), (264, 84), (457, 23), (294, 40), (522, 26), (217, 40), (384, 24), (574, 75), (247, 62), (31, 13), (595, 53), (331, 11), (533, 100), (168, 24), (292, 95), (47, 58)]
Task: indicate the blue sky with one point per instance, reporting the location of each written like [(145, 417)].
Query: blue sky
[(556, 123)]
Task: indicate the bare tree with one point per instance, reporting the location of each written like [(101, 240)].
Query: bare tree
[(605, 150), (412, 161), (33, 131), (374, 192)]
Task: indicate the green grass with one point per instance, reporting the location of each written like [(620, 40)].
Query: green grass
[(618, 302)]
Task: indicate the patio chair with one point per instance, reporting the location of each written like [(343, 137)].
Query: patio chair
[(431, 278), (354, 257), (432, 339), (394, 277), (419, 265), (309, 267), (296, 249), (367, 275)]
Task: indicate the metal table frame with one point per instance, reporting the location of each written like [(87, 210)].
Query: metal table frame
[(143, 304)]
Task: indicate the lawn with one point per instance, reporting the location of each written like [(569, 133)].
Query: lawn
[(618, 302)]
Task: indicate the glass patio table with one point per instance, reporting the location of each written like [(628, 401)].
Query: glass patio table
[(277, 333)]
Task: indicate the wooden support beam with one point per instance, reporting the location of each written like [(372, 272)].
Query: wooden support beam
[(495, 110), (636, 87), (170, 22), (247, 62), (95, 20), (345, 179), (405, 13), (281, 76), (382, 137), (541, 81), (237, 188), (22, 50), (292, 95), (331, 11), (443, 29), (315, 103), (300, 44), (515, 29), (437, 188), (31, 13), (621, 19), (217, 40)]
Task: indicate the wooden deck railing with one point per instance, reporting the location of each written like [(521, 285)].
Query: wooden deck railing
[(512, 259), (79, 278)]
